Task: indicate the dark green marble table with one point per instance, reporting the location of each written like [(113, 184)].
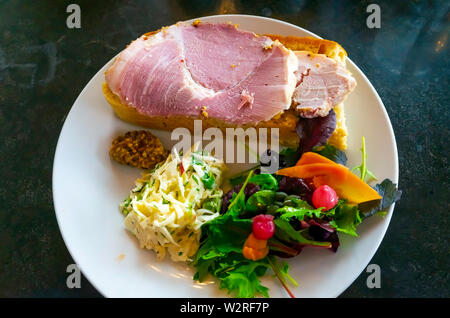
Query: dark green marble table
[(44, 66)]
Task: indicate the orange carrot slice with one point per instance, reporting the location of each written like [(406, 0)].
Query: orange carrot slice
[(312, 157), (341, 179)]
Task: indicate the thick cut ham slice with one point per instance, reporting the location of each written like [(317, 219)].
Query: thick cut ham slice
[(322, 84), (210, 69)]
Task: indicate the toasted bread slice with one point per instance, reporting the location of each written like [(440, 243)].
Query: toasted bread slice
[(285, 122)]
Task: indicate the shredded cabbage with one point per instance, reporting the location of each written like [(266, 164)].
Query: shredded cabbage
[(168, 206)]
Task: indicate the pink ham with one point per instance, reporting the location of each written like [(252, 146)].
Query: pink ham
[(234, 75), (322, 84)]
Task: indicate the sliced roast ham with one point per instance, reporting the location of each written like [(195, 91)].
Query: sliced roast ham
[(210, 69), (219, 71), (322, 84)]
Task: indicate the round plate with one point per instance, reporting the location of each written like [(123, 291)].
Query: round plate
[(88, 187)]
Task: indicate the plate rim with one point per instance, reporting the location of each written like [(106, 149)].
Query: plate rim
[(387, 219)]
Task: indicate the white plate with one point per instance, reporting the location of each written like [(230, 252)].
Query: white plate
[(88, 186)]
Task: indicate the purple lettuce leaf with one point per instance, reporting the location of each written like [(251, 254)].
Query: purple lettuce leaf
[(314, 132), (296, 186)]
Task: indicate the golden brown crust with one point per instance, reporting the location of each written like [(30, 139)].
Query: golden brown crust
[(285, 122), (319, 46)]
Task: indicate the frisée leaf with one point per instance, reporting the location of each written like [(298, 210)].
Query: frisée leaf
[(346, 218), (243, 280)]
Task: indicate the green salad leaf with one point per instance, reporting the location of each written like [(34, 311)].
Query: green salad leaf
[(389, 194), (294, 207), (288, 212), (346, 218), (265, 181), (225, 236), (242, 279), (237, 203), (283, 270), (259, 201)]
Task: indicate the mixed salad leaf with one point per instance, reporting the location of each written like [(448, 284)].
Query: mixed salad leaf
[(220, 252)]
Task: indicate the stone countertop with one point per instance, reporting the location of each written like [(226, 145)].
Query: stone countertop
[(44, 66)]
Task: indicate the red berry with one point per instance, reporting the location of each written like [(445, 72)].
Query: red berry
[(324, 196), (263, 227)]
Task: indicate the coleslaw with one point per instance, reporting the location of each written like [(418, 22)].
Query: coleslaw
[(169, 204)]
